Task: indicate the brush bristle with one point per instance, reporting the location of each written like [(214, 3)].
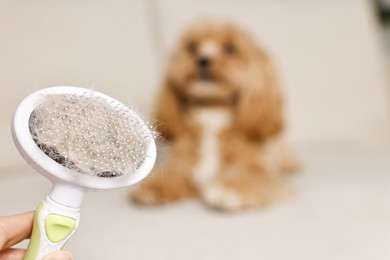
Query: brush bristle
[(89, 135)]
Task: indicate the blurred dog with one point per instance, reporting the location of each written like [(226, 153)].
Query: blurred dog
[(221, 106)]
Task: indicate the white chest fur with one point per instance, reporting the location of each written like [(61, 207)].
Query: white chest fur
[(212, 121)]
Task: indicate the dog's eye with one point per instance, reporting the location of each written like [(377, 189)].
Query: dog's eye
[(229, 49), (191, 48)]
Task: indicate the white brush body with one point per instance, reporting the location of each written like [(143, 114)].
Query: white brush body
[(69, 186), (54, 171)]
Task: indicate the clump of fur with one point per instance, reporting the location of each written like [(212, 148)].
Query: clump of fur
[(89, 135)]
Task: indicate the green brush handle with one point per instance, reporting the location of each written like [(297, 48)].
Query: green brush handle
[(54, 224)]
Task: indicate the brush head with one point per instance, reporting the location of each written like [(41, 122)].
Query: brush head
[(91, 139), (88, 135)]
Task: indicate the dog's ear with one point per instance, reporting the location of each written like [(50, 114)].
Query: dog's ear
[(259, 107), (167, 112)]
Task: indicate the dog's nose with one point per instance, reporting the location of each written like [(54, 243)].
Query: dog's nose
[(204, 63)]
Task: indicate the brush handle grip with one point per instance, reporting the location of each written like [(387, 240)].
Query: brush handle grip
[(53, 225)]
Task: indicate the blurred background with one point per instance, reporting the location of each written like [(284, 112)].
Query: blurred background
[(332, 57)]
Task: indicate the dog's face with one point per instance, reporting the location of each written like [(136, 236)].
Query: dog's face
[(215, 63), (212, 62)]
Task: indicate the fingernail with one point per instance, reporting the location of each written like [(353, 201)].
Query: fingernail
[(59, 255)]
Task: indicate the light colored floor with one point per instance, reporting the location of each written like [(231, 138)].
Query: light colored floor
[(341, 211)]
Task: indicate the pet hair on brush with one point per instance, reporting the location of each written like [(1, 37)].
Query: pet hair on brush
[(88, 135), (81, 140)]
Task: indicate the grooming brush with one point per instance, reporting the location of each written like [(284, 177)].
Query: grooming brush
[(81, 140)]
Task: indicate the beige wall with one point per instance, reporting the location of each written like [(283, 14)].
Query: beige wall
[(100, 44), (328, 52), (330, 60)]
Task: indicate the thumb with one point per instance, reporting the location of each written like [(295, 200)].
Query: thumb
[(59, 255)]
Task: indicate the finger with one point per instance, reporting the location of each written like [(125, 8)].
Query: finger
[(12, 253), (14, 229)]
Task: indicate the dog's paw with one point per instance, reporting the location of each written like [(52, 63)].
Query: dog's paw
[(237, 195), (220, 197), (146, 196), (162, 190), (154, 193)]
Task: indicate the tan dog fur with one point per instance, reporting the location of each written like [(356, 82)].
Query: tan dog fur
[(225, 121)]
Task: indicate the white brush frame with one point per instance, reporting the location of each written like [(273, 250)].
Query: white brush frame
[(69, 186)]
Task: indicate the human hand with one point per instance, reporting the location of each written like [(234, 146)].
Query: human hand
[(14, 229)]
